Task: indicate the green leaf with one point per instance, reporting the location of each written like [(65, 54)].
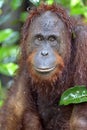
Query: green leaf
[(78, 10), (75, 2), (8, 54), (13, 38), (5, 34), (49, 2), (23, 16), (2, 94), (35, 2), (8, 36), (77, 94), (15, 4), (8, 69), (65, 3), (1, 102)]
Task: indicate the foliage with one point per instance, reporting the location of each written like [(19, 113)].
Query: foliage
[(76, 94), (9, 38), (15, 4), (77, 7), (2, 95)]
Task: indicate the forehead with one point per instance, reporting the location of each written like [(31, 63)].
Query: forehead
[(48, 22)]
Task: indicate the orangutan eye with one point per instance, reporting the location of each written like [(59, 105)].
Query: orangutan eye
[(39, 39), (52, 38)]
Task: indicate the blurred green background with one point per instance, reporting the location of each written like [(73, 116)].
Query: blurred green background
[(13, 13)]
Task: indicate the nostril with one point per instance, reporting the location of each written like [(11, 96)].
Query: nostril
[(44, 52)]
